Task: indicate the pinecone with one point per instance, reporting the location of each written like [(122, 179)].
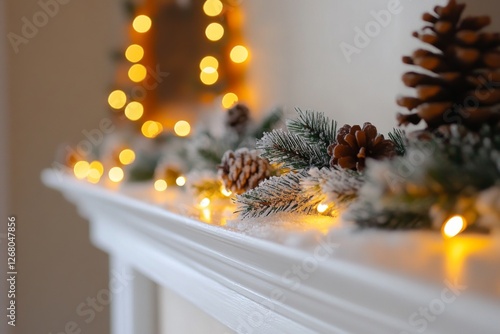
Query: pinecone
[(464, 86), (238, 118), (243, 170), (354, 145)]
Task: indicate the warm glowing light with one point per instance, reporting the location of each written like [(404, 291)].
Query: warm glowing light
[(137, 73), (161, 185), (151, 129), (134, 53), (96, 169), (81, 169), (182, 128), (127, 156), (180, 181), (206, 215), (116, 174), (239, 54), (210, 63), (117, 99), (209, 78), (322, 207), (225, 192), (213, 7), (214, 31), (134, 111), (454, 226), (142, 23), (229, 100), (204, 203)]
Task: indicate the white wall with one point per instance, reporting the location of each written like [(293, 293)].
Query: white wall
[(297, 60)]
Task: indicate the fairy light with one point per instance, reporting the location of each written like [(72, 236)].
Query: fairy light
[(117, 99), (454, 226), (160, 185), (204, 203), (96, 169), (209, 64), (81, 169), (134, 53), (322, 207), (134, 111), (180, 181), (209, 78), (229, 99), (182, 128), (214, 31), (137, 72), (151, 129), (142, 24), (116, 174), (225, 192), (239, 54), (127, 156), (213, 7)]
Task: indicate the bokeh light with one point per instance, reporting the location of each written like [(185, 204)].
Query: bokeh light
[(142, 23), (117, 99), (182, 128), (239, 54), (134, 53), (134, 111)]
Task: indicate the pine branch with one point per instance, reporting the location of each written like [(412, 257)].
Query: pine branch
[(291, 150), (399, 139), (314, 127), (277, 194)]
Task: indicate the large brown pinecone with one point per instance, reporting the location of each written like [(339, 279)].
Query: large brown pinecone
[(238, 118), (464, 86), (243, 170), (355, 144)]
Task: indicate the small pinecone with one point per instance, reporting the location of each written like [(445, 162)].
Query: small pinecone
[(238, 118), (464, 85), (354, 145), (243, 170)]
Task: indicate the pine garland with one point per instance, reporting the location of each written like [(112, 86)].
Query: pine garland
[(292, 151), (314, 127), (277, 194)]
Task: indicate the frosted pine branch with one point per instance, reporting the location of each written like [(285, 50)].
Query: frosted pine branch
[(314, 127), (339, 186), (277, 194), (292, 151)]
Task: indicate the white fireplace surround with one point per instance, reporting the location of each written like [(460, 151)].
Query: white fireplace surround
[(253, 285)]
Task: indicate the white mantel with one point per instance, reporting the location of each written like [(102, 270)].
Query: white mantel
[(281, 280)]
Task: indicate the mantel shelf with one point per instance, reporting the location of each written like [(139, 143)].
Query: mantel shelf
[(343, 281)]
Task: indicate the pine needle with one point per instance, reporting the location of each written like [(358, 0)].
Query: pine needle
[(399, 139), (314, 127)]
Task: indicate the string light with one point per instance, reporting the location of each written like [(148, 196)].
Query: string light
[(322, 207), (180, 181), (134, 53), (160, 185), (142, 23), (204, 203), (137, 73), (239, 54), (182, 128), (151, 129), (214, 31), (127, 156), (116, 174), (209, 62), (96, 169), (229, 100), (81, 169), (117, 99), (134, 111), (225, 192), (454, 226), (213, 7), (209, 78)]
